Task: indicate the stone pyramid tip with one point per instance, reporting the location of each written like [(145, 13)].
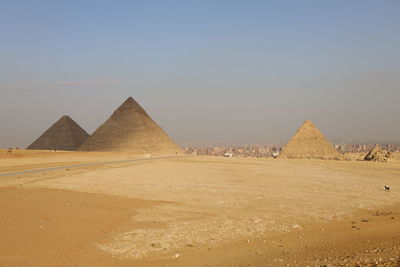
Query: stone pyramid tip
[(308, 122), (66, 117), (129, 99), (129, 105)]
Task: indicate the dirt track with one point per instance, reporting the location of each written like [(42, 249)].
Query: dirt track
[(200, 210)]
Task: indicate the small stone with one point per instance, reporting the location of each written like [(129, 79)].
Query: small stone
[(156, 245), (177, 255)]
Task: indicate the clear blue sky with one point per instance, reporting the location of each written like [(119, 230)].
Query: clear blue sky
[(209, 72)]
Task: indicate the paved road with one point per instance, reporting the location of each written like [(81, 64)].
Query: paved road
[(82, 165)]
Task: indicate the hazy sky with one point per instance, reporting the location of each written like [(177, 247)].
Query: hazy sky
[(208, 72)]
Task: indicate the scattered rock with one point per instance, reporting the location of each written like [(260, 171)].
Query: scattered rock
[(378, 154), (156, 245)]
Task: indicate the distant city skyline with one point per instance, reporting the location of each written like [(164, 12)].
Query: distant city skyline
[(208, 72)]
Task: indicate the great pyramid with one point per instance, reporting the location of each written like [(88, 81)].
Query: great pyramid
[(309, 143), (130, 129), (64, 134), (378, 154)]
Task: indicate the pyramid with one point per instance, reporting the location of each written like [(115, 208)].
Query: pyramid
[(309, 143), (378, 154), (65, 134), (130, 129)]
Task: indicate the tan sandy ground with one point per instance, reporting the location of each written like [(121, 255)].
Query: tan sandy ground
[(33, 159), (198, 211)]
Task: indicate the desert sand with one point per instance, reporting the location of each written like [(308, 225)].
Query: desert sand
[(196, 211)]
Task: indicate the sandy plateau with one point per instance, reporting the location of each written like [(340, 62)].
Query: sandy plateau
[(196, 211)]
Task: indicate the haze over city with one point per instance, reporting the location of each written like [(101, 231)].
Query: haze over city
[(209, 72)]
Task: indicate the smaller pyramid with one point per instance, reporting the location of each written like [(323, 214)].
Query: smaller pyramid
[(378, 154), (309, 143), (130, 129), (65, 134)]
